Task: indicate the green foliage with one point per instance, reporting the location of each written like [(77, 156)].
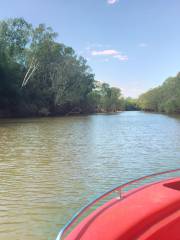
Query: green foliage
[(130, 104), (14, 37), (165, 98), (39, 76), (105, 98)]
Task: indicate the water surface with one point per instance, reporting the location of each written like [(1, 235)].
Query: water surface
[(49, 167)]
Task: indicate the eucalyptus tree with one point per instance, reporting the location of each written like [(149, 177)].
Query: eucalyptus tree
[(59, 80)]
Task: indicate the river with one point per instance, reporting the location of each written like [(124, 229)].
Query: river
[(50, 167)]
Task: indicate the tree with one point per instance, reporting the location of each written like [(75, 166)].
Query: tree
[(130, 104), (40, 76), (14, 37), (165, 98), (105, 98)]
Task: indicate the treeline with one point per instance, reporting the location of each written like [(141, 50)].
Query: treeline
[(104, 98), (40, 76), (165, 98)]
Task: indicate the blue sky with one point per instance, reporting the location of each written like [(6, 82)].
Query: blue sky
[(131, 44)]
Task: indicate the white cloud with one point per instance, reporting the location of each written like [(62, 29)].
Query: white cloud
[(102, 52), (112, 1), (111, 53), (105, 52)]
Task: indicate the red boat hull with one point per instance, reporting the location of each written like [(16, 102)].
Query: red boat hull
[(151, 212)]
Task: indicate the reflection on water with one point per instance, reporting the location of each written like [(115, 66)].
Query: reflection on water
[(49, 167)]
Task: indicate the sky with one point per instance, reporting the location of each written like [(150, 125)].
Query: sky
[(130, 44)]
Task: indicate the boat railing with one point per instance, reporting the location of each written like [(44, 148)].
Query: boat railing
[(117, 189)]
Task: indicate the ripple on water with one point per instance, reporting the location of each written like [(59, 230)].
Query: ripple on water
[(50, 167)]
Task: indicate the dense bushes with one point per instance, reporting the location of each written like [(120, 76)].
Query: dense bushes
[(105, 98), (165, 98)]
